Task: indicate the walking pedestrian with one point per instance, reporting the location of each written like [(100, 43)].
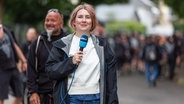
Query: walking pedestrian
[(173, 53), (31, 35), (10, 53), (40, 87), (152, 57)]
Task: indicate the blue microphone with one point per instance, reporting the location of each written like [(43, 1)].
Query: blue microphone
[(83, 42)]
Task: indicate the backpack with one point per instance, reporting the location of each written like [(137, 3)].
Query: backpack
[(150, 53), (36, 50)]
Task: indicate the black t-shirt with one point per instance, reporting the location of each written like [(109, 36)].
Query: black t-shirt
[(7, 58)]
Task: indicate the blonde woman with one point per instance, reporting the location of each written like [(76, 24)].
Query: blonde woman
[(83, 76)]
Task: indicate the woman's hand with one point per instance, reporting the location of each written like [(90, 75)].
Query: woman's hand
[(77, 58)]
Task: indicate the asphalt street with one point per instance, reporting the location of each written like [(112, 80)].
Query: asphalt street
[(132, 89)]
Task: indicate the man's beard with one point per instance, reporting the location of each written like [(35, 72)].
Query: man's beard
[(49, 34)]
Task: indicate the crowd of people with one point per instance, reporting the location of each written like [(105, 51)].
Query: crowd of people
[(154, 55), (52, 67)]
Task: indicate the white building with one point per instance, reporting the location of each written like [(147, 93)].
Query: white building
[(143, 11)]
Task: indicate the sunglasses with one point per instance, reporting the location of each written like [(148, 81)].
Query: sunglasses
[(53, 10)]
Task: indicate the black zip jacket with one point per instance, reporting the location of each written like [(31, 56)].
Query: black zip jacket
[(37, 80), (59, 66)]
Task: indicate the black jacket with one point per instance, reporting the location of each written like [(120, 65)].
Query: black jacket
[(25, 48), (157, 53), (59, 66), (38, 81)]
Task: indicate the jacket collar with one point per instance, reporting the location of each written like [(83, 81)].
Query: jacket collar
[(65, 42)]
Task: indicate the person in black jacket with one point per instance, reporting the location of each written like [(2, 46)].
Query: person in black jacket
[(173, 52), (10, 53), (83, 76), (152, 57), (31, 35), (39, 85)]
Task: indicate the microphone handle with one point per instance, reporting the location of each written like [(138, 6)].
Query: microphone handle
[(81, 48)]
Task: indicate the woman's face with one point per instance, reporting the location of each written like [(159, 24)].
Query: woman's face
[(83, 21)]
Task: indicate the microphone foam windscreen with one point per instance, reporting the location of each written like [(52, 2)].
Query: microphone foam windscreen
[(83, 41)]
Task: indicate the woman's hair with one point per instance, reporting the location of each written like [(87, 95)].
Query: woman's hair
[(90, 10)]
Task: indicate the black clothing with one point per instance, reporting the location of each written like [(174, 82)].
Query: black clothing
[(7, 52), (119, 51), (9, 75), (46, 98), (156, 51), (37, 80), (10, 79), (172, 59), (25, 48)]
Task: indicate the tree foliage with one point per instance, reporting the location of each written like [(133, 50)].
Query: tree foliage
[(177, 6), (33, 11), (96, 2)]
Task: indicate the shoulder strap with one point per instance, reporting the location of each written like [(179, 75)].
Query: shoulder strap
[(36, 51), (46, 45)]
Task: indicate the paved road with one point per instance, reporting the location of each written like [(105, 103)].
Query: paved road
[(132, 89)]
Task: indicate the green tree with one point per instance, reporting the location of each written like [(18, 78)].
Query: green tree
[(96, 2), (33, 11), (1, 9), (177, 6), (20, 14)]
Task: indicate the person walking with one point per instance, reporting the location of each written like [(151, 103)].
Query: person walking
[(10, 53), (31, 35), (152, 57), (87, 74), (173, 52), (39, 85)]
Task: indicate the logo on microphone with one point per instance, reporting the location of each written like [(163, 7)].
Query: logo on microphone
[(83, 42)]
